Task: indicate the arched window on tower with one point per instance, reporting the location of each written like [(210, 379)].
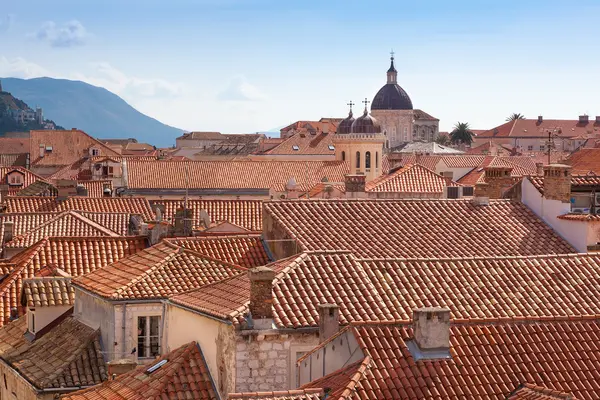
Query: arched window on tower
[(358, 159), (368, 159), (343, 156), (376, 159)]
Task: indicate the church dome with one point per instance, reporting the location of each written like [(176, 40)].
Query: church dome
[(391, 96), (345, 125), (365, 124)]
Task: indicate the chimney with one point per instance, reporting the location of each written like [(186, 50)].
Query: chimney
[(583, 119), (291, 189), (81, 190), (539, 168), (329, 321), (431, 329), (119, 367), (183, 222), (8, 227), (480, 194), (261, 296), (597, 119), (4, 192), (355, 185), (326, 128), (65, 188), (557, 182), (42, 150), (540, 119)]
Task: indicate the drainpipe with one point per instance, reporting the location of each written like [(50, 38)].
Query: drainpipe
[(124, 341)]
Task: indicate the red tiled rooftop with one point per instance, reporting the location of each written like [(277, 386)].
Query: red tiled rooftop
[(157, 272), (47, 292), (414, 228), (28, 178), (247, 251), (585, 160), (185, 375), (530, 128), (306, 144), (528, 391), (295, 394), (409, 179)]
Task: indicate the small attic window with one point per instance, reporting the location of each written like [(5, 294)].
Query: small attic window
[(48, 149), (95, 152), (156, 366), (295, 148), (331, 147)]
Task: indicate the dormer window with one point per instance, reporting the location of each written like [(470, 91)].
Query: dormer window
[(15, 178), (95, 152)]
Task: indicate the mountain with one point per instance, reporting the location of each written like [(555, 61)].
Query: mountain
[(17, 116), (95, 110)]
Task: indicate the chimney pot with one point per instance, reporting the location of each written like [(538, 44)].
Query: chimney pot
[(557, 182), (583, 119), (8, 230), (329, 321), (261, 296), (597, 119), (540, 119), (431, 326)]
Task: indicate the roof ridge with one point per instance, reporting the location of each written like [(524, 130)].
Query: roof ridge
[(476, 258)]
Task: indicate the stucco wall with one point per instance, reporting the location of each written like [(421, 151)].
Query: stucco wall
[(278, 240), (45, 315), (266, 361), (17, 388), (97, 313), (216, 339)]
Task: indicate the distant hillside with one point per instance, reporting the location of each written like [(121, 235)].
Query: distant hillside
[(10, 122), (75, 104)]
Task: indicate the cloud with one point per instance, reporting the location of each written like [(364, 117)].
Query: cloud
[(21, 68), (115, 80), (238, 89), (7, 22), (70, 34)]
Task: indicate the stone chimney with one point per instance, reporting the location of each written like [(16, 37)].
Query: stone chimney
[(261, 296), (119, 367), (355, 185), (431, 328), (557, 182), (540, 119), (329, 321), (597, 119), (539, 169), (8, 227), (584, 119), (480, 196), (184, 218), (497, 180), (291, 189), (65, 188)]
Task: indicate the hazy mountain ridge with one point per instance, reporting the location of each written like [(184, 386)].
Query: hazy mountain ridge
[(95, 110)]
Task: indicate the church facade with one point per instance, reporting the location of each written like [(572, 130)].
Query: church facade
[(400, 122)]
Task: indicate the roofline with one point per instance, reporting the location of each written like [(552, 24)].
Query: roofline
[(142, 191), (174, 303), (479, 258)]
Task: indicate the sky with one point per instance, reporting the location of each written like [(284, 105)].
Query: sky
[(239, 66)]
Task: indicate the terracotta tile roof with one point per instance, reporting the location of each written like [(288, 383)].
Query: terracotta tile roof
[(521, 166), (312, 126), (584, 161), (26, 222), (296, 394), (13, 160), (494, 287), (341, 383), (67, 147), (115, 222), (415, 228), (301, 284), (38, 188), (321, 190), (232, 174), (68, 355), (307, 144), (579, 217), (202, 136), (96, 188), (462, 161), (488, 360), (118, 205), (491, 148), (528, 391), (247, 251), (409, 179), (14, 145), (530, 128), (185, 375), (75, 256), (28, 178), (68, 223), (157, 272), (429, 162), (47, 291), (245, 213), (78, 170), (577, 181)]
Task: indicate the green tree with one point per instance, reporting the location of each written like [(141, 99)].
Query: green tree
[(461, 134), (443, 139), (515, 116)]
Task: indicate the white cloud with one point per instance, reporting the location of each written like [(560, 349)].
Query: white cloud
[(7, 22), (70, 34), (21, 68), (238, 89)]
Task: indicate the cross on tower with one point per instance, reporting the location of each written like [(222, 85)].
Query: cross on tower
[(350, 104), (365, 101)]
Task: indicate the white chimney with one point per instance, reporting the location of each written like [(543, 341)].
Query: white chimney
[(431, 329)]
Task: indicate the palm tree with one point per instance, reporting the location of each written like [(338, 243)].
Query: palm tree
[(515, 116), (461, 134), (443, 139)]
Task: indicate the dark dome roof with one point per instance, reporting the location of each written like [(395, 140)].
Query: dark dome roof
[(345, 125), (391, 97), (366, 124)]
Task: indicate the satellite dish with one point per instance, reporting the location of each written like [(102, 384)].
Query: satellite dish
[(204, 219)]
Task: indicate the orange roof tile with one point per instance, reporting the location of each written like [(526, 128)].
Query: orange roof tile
[(69, 355), (528, 391), (232, 174), (489, 359), (244, 213), (415, 228), (306, 144), (296, 394), (312, 126), (75, 255), (14, 145), (185, 375), (577, 181), (28, 178), (156, 272), (584, 161), (47, 291), (68, 223), (530, 128), (409, 179), (247, 251)]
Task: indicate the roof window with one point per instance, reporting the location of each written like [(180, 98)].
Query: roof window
[(295, 147), (48, 149), (331, 147), (156, 366)]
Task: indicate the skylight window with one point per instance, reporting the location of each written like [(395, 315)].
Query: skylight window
[(295, 148), (156, 366), (331, 147)]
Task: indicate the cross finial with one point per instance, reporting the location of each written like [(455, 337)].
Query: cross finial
[(365, 101), (392, 54), (350, 104)]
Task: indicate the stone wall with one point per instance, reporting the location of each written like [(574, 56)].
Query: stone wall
[(13, 386), (266, 361), (279, 241)]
